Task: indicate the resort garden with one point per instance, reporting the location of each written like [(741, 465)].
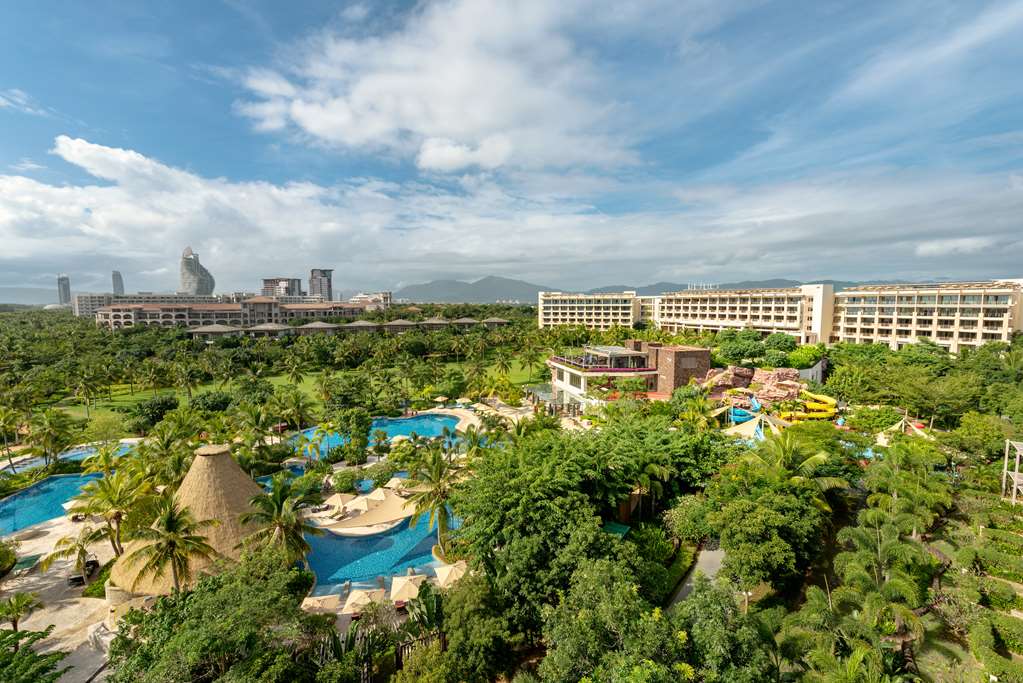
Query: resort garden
[(826, 551)]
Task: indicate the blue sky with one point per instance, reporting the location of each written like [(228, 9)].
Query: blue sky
[(573, 144)]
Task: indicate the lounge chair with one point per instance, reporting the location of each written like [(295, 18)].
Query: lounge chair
[(74, 580)]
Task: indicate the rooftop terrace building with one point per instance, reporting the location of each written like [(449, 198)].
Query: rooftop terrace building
[(955, 315), (663, 368), (282, 286)]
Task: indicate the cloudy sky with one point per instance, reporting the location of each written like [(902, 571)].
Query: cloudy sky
[(571, 143)]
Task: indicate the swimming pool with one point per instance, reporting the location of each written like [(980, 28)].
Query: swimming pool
[(428, 425), (40, 502), (79, 453), (362, 559)]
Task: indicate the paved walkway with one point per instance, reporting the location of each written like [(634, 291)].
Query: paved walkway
[(708, 562)]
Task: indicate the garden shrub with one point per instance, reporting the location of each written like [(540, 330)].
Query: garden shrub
[(990, 634), (344, 480)]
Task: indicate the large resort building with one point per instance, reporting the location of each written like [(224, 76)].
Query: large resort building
[(955, 315)]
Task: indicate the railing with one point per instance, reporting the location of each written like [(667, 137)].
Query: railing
[(603, 369)]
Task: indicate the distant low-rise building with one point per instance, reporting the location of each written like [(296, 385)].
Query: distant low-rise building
[(374, 299), (250, 312), (595, 311)]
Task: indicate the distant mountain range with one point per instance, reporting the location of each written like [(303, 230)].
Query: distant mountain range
[(33, 296), (493, 289)]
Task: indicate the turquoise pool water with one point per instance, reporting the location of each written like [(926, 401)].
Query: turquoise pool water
[(78, 454), (40, 502), (428, 425), (361, 560)]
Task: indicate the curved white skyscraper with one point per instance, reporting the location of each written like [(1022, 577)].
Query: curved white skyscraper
[(118, 283), (194, 278)]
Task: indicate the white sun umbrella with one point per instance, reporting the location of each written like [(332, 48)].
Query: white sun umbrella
[(328, 603), (358, 600), (463, 400), (405, 588), (448, 574), (396, 483), (441, 399), (378, 494), (361, 504), (339, 499)]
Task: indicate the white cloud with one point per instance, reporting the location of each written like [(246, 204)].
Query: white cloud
[(21, 101), (377, 232), (459, 84), (960, 245), (26, 165)]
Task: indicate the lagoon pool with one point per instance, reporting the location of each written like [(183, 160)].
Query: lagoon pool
[(362, 559), (40, 502), (79, 453), (428, 425)]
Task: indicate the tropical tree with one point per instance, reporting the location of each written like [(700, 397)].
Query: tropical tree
[(530, 357), (184, 377), (436, 476), (49, 433), (785, 457), (503, 363), (277, 513), (103, 459), (173, 541), (74, 547), (18, 606), (111, 497), (294, 369), (10, 421)]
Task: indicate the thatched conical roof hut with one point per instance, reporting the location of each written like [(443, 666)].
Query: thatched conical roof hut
[(214, 488)]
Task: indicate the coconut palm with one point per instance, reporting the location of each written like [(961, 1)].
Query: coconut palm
[(292, 406), (173, 541), (699, 413), (49, 433), (103, 459), (294, 368), (503, 363), (111, 497), (74, 547), (784, 457), (184, 377), (17, 607), (325, 385), (278, 513), (437, 476), (10, 421), (530, 357)]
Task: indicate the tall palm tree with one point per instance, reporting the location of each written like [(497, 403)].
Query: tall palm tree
[(293, 406), (437, 476), (530, 357), (324, 385), (73, 547), (699, 413), (294, 369), (183, 376), (49, 433), (17, 607), (503, 363), (174, 540), (10, 420), (784, 457), (111, 497), (278, 513)]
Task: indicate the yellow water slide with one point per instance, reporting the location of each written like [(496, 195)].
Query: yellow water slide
[(816, 407)]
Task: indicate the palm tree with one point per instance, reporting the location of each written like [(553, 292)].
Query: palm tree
[(503, 363), (294, 369), (699, 412), (103, 459), (324, 385), (76, 547), (184, 377), (17, 607), (530, 357), (86, 387), (783, 457), (278, 514), (292, 406), (111, 497), (174, 540), (49, 433), (437, 476), (10, 420)]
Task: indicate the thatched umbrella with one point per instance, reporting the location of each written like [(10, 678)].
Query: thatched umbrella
[(214, 488)]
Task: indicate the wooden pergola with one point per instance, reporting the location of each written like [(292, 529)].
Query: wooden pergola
[(1013, 478)]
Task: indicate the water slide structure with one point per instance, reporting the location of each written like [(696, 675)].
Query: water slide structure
[(815, 407)]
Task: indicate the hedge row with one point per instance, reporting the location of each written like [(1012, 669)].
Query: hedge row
[(999, 595), (991, 633), (1004, 565), (1005, 541)]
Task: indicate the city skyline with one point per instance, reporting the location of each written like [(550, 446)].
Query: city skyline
[(423, 141)]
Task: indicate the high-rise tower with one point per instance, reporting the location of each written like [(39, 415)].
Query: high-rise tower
[(320, 283), (63, 289), (118, 283), (194, 278)]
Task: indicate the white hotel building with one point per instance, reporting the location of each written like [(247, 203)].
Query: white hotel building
[(953, 314)]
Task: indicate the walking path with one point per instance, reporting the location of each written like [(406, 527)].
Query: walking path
[(708, 562)]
